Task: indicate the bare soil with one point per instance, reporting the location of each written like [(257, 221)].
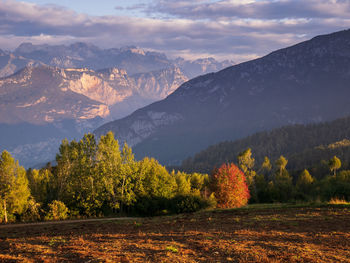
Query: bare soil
[(277, 234)]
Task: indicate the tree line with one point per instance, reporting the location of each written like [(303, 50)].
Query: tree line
[(99, 178), (272, 182)]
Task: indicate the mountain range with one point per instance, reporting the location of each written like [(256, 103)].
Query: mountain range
[(83, 55), (304, 83), (48, 93)]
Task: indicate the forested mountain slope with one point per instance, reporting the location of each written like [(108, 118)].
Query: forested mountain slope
[(303, 145)]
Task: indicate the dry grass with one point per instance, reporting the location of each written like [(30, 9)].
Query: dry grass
[(338, 201), (304, 234)]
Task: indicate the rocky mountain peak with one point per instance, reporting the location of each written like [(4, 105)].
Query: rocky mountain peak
[(83, 45), (25, 47)]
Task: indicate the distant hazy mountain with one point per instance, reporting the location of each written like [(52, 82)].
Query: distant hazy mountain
[(132, 59), (201, 66), (308, 82), (42, 105), (80, 55), (10, 63)]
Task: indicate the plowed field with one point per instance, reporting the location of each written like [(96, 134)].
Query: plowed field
[(275, 234)]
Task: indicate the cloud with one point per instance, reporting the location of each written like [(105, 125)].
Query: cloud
[(265, 9), (190, 28)]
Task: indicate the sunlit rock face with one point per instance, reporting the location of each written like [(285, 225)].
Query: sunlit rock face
[(42, 94)]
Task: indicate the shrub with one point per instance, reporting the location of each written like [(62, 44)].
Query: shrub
[(337, 186), (188, 204), (57, 211), (176, 205), (230, 187), (147, 206), (32, 212)]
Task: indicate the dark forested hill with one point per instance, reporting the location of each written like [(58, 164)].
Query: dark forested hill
[(303, 145)]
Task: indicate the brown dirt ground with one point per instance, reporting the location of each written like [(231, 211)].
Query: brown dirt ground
[(294, 234)]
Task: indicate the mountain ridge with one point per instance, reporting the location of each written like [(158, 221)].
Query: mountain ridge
[(299, 84), (130, 58)]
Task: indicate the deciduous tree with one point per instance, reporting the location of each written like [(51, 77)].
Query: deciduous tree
[(230, 187), (14, 190), (334, 164)]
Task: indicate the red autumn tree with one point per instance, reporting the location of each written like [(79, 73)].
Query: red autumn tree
[(230, 187)]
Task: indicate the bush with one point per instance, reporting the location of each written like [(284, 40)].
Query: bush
[(32, 212), (147, 206), (176, 205), (337, 186), (57, 211), (188, 204)]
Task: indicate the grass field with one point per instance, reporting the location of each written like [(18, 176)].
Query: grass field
[(271, 233)]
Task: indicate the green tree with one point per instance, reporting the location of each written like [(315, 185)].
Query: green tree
[(183, 183), (78, 182), (128, 174), (14, 190), (282, 190), (305, 183), (85, 181), (154, 187), (262, 188), (57, 211), (246, 163), (265, 166), (65, 159), (109, 168), (283, 187), (41, 185), (336, 186), (334, 164), (281, 164), (199, 183), (156, 181)]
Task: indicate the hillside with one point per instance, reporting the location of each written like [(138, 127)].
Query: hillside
[(305, 83), (304, 146)]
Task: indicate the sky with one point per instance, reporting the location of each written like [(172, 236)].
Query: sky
[(224, 29)]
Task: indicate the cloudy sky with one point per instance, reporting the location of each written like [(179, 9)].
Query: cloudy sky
[(225, 29)]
